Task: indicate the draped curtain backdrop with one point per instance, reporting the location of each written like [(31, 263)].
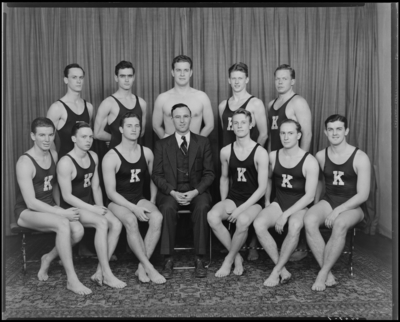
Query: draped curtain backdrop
[(333, 51)]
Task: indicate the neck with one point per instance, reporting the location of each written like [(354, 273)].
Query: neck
[(244, 141), (128, 145), (182, 89), (79, 152), (73, 96), (38, 152), (123, 92), (287, 95), (237, 96), (182, 133), (291, 152), (340, 148)]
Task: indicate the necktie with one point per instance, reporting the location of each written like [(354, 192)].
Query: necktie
[(184, 146)]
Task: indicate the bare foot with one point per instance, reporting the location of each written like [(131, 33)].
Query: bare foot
[(44, 267), (225, 269), (297, 256), (319, 284), (97, 278), (113, 258), (238, 265), (113, 282), (272, 280), (141, 274), (253, 255), (330, 280), (285, 276), (155, 276), (78, 288)]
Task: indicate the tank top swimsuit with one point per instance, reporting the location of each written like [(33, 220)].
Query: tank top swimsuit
[(290, 183), (116, 135), (66, 144), (228, 136), (82, 183), (275, 119), (130, 177), (244, 177), (43, 183)]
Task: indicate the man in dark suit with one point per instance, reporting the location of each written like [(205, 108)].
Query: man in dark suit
[(183, 171)]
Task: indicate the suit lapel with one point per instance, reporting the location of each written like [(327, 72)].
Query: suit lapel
[(171, 152), (193, 146)]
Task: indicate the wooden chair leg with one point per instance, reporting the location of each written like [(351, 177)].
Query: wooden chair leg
[(351, 252), (23, 245)]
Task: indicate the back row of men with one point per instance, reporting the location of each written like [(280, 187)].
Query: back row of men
[(182, 171)]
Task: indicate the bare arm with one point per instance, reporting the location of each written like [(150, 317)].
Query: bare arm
[(54, 114), (143, 105), (261, 121), (320, 156), (97, 194), (270, 181), (221, 109), (101, 121), (303, 116), (269, 134), (90, 110), (158, 119), (150, 160), (208, 116), (224, 181)]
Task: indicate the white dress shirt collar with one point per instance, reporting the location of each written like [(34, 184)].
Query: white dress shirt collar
[(179, 138)]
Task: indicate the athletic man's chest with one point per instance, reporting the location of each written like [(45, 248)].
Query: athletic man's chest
[(76, 107), (129, 103), (196, 107)]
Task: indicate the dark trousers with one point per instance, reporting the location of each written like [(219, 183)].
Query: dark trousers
[(199, 208)]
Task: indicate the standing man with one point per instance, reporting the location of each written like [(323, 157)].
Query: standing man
[(295, 176), (246, 163), (288, 105), (183, 172), (198, 102), (38, 199), (347, 174), (80, 187), (71, 108), (112, 109), (124, 169), (238, 79)]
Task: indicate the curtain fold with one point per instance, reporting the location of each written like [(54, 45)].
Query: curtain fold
[(333, 50)]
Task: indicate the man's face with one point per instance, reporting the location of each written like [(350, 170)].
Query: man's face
[(238, 81), (43, 137), (131, 128), (289, 135), (125, 78), (283, 81), (181, 118), (74, 80), (83, 138), (241, 125), (182, 73), (336, 132)]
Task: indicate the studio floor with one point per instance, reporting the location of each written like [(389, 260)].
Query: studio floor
[(368, 294)]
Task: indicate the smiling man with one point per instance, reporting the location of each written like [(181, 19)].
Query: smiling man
[(183, 172), (347, 174), (295, 176), (198, 102)]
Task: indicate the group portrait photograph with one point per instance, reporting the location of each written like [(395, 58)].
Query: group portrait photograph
[(206, 160)]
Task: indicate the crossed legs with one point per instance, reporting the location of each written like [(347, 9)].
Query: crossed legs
[(215, 217), (142, 249), (327, 255)]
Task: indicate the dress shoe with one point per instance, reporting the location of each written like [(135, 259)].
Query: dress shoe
[(199, 270), (168, 269)]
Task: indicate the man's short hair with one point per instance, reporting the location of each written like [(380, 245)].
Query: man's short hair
[(244, 112), (334, 118), (122, 65), (68, 67), (128, 115), (286, 67), (298, 126), (78, 125), (182, 58), (240, 67), (42, 122), (179, 105)]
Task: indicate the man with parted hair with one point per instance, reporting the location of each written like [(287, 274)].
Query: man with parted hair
[(246, 163), (196, 100), (288, 105), (112, 109), (124, 169), (346, 178), (183, 172), (238, 79), (38, 199), (295, 176), (78, 178)]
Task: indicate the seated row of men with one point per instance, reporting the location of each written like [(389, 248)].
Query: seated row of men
[(182, 171)]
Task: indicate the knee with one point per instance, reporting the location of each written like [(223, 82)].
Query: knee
[(295, 227), (131, 224), (243, 223), (63, 226), (156, 221), (260, 226), (213, 218), (115, 225), (339, 227), (102, 224), (311, 221), (77, 232)]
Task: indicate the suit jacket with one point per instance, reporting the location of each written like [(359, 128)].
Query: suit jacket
[(201, 169)]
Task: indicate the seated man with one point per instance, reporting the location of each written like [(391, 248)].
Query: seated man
[(295, 176), (36, 206), (124, 169), (246, 163), (183, 172), (346, 172), (80, 187)]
